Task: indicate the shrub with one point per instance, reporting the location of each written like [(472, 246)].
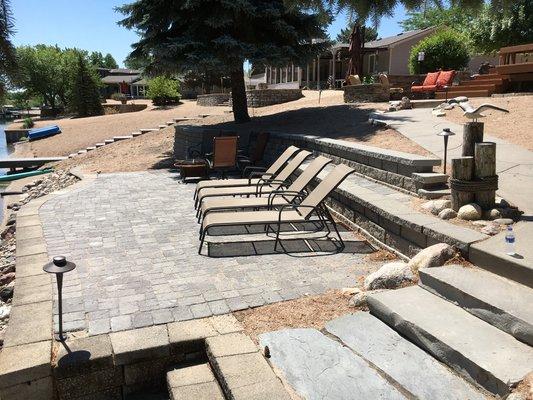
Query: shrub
[(84, 98), (446, 50), (119, 97), (163, 90), (28, 123)]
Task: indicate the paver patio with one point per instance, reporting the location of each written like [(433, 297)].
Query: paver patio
[(134, 239)]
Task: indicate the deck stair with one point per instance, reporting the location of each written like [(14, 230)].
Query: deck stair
[(479, 86)]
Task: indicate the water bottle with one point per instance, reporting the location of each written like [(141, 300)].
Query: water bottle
[(510, 241)]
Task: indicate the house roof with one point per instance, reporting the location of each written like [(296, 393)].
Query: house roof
[(141, 81), (110, 79), (390, 41), (125, 71)]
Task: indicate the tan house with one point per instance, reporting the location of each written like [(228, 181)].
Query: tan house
[(389, 55)]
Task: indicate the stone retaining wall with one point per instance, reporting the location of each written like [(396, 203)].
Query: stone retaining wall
[(371, 93), (268, 97), (213, 99), (14, 135), (122, 108)]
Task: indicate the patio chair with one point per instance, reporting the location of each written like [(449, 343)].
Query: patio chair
[(295, 192), (224, 156), (256, 155), (263, 186), (259, 172), (434, 82), (313, 204)]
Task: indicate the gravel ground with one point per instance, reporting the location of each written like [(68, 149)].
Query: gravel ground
[(515, 127)]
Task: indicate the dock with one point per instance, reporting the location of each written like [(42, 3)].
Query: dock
[(14, 163)]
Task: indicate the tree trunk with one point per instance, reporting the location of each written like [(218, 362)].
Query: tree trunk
[(238, 95)]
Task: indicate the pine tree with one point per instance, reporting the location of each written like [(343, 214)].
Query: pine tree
[(109, 62), (218, 36), (84, 96)]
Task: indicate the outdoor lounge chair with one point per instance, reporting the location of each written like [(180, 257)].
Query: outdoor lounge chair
[(295, 192), (263, 186), (256, 154), (434, 82), (289, 213), (261, 173)]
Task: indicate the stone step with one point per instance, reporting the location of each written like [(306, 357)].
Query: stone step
[(162, 126), (118, 138), (91, 148), (109, 141), (82, 151), (414, 369), (318, 367), (170, 123), (500, 302), (146, 130), (479, 351), (100, 144), (466, 92), (491, 255), (135, 134), (429, 180), (434, 193), (72, 155), (196, 382)]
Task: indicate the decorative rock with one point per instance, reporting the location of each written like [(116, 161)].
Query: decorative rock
[(436, 206), (447, 213), (389, 276), (493, 214), (358, 300), (7, 278), (470, 212), (491, 229), (5, 310), (503, 221), (6, 293), (481, 222), (433, 256)]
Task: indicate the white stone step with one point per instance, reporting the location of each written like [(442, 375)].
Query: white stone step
[(146, 130), (109, 141), (429, 179), (71, 155), (135, 134), (117, 138), (170, 123), (91, 148), (318, 367), (196, 382), (162, 126), (501, 302), (475, 349), (82, 151), (433, 193), (100, 144), (413, 368)]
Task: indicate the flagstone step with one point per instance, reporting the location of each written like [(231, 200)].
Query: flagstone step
[(196, 382), (434, 193), (170, 122), (162, 126), (71, 155), (91, 148), (100, 144), (502, 303), (318, 367), (413, 368), (475, 349), (118, 138), (146, 130), (135, 134), (82, 151), (429, 179), (109, 141)]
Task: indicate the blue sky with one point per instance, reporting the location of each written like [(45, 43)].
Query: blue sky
[(91, 25)]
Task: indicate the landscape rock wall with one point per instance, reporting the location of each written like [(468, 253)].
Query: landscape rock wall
[(213, 99), (372, 93), (268, 97)]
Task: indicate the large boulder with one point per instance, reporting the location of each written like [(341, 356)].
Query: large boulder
[(433, 256), (389, 276), (447, 213), (470, 212)]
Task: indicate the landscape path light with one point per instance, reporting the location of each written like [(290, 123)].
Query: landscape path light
[(58, 266), (445, 133)]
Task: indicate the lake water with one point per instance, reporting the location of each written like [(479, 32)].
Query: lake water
[(5, 150)]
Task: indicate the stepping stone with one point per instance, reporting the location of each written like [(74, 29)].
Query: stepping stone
[(170, 122), (82, 151), (162, 126), (145, 130), (429, 178), (196, 382), (320, 368), (407, 364), (109, 141), (72, 155), (475, 349), (184, 119), (100, 144), (503, 303), (118, 138), (90, 148), (433, 194), (135, 134)]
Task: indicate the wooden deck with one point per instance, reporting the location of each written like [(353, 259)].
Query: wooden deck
[(14, 163)]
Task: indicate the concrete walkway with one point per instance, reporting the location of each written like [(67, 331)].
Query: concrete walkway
[(134, 237), (514, 163)]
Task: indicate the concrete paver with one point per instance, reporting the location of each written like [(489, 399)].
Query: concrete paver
[(134, 239)]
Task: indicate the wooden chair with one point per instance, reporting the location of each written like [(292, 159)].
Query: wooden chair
[(257, 153)]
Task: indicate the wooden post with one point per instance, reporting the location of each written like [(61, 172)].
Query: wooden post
[(472, 134), (485, 166), (463, 169)]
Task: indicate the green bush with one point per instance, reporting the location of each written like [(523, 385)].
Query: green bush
[(28, 123), (163, 90), (446, 50), (119, 97)]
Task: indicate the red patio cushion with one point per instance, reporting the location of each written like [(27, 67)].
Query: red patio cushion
[(431, 78), (428, 88), (445, 78)]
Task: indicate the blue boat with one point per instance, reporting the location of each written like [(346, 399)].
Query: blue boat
[(39, 133)]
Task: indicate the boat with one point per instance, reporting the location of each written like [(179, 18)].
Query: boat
[(20, 175), (39, 133)]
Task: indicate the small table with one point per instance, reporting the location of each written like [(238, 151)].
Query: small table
[(197, 168)]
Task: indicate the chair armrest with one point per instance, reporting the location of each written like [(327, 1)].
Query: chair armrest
[(258, 175), (272, 195), (294, 207), (252, 168), (265, 182)]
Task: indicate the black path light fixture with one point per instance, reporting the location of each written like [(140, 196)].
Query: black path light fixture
[(58, 266), (445, 133)]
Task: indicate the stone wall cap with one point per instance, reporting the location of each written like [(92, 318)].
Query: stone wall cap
[(24, 363), (140, 344)]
